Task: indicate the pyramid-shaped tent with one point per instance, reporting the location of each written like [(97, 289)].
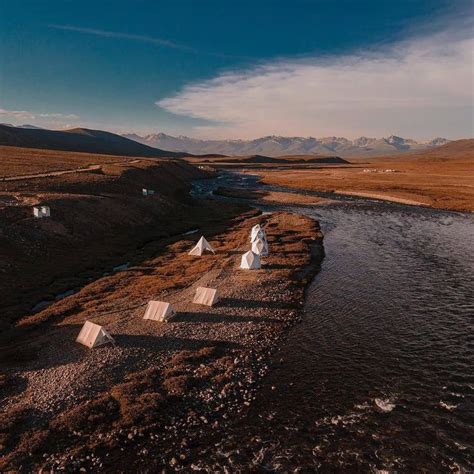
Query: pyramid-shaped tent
[(159, 311), (260, 247), (250, 261), (205, 296), (201, 247), (93, 335), (255, 230), (259, 235)]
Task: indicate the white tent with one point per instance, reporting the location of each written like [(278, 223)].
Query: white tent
[(255, 230), (205, 296), (159, 311), (93, 335), (45, 211), (250, 261), (41, 211), (200, 247), (259, 235), (260, 247)]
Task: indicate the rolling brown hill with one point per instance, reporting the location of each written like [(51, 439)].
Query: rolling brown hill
[(458, 149), (80, 140)]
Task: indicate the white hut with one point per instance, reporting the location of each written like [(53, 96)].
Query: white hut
[(260, 247), (93, 335), (148, 192), (41, 211), (206, 296), (250, 261), (159, 311), (201, 247)]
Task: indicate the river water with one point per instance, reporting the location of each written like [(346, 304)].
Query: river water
[(379, 374)]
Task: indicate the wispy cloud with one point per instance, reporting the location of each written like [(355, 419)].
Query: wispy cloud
[(114, 34), (140, 38), (421, 87), (25, 114)]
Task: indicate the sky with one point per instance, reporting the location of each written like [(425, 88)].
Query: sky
[(240, 69)]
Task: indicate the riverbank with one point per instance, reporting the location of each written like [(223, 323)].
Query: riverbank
[(439, 184), (376, 374), (270, 197), (164, 386)]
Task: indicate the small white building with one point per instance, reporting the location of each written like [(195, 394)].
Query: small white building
[(41, 211), (148, 192)]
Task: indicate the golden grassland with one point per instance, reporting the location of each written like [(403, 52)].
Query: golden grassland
[(413, 183), (17, 161), (442, 178)]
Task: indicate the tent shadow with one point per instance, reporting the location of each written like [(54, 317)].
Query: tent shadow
[(243, 303), (33, 356), (143, 270), (276, 266), (165, 343), (14, 386), (196, 317)]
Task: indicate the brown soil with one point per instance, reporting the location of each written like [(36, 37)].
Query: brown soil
[(154, 396), (99, 220)]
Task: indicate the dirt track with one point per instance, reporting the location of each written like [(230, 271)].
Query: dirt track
[(52, 173)]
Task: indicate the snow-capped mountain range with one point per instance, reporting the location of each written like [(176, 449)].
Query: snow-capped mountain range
[(279, 146)]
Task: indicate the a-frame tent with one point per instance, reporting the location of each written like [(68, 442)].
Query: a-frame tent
[(93, 335), (201, 247), (206, 296), (159, 311)]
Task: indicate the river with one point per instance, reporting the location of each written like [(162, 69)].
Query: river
[(379, 374)]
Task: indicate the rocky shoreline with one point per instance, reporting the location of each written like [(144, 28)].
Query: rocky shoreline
[(158, 396)]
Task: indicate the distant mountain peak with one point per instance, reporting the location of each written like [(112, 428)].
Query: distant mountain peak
[(275, 145)]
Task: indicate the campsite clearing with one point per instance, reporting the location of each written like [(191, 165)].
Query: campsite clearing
[(160, 382)]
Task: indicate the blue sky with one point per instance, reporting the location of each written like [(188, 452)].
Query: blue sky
[(239, 69)]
